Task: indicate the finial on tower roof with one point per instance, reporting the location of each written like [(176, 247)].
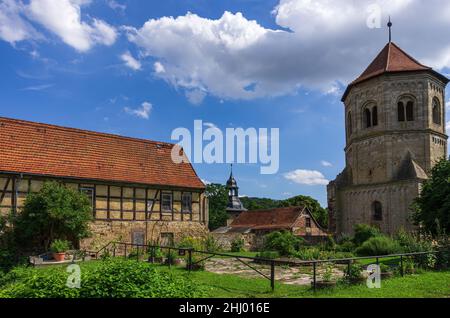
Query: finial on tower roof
[(390, 29)]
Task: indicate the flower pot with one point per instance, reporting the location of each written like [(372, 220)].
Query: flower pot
[(59, 257)]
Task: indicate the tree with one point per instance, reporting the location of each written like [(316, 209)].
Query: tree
[(55, 212), (218, 198), (431, 208)]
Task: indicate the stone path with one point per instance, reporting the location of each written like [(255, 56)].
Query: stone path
[(287, 275)]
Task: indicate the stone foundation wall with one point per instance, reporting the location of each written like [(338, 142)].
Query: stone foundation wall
[(104, 232)]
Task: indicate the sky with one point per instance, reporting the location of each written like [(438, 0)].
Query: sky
[(144, 68)]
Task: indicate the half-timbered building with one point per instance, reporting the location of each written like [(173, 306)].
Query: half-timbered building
[(138, 193)]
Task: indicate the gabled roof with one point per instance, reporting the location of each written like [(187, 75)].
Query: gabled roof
[(280, 218), (48, 150), (391, 59)]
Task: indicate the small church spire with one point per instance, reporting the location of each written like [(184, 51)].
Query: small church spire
[(390, 29)]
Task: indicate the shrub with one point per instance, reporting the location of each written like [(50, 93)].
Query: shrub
[(284, 242), (107, 279), (191, 242), (354, 272), (60, 246), (211, 244), (412, 244), (268, 255), (237, 245), (364, 232), (379, 245)]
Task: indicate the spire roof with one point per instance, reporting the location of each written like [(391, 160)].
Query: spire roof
[(391, 59)]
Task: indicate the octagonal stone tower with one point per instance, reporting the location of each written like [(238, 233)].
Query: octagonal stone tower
[(395, 133)]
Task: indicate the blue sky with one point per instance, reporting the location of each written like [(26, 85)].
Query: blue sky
[(100, 68)]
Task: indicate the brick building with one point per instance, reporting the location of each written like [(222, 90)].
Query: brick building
[(138, 193)]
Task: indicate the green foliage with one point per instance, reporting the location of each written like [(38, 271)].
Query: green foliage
[(211, 244), (314, 253), (192, 242), (354, 272), (259, 203), (218, 198), (60, 246), (108, 279), (327, 275), (283, 242), (320, 214), (53, 212), (364, 232), (432, 206), (411, 243), (377, 246), (237, 245)]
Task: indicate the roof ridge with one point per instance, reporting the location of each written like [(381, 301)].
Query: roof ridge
[(83, 131), (409, 56), (388, 58)]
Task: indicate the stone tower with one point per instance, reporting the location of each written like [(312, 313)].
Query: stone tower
[(395, 133), (234, 206)]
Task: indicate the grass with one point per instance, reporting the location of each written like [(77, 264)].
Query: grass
[(424, 285)]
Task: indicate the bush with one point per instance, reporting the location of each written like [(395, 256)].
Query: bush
[(60, 246), (283, 242), (379, 245), (211, 244), (364, 232), (237, 245), (354, 273), (411, 244), (107, 279), (268, 255)]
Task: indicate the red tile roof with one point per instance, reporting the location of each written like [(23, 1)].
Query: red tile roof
[(35, 148), (392, 59), (281, 218)]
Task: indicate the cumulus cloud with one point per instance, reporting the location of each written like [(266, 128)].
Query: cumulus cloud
[(142, 112), (13, 25), (116, 5), (62, 18), (319, 44), (130, 61), (306, 177), (159, 68)]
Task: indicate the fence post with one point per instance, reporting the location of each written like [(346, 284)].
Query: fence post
[(125, 254), (272, 275), (348, 269), (169, 258), (314, 276), (401, 265), (378, 261), (137, 253)]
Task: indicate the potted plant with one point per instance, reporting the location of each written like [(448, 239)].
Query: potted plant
[(327, 278), (59, 248)]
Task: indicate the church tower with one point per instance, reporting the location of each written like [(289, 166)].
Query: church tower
[(234, 206), (395, 134)]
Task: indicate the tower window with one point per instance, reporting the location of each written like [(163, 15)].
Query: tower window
[(410, 111), (375, 116), (436, 112), (368, 118), (377, 210), (401, 111)]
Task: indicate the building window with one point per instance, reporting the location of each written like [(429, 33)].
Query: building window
[(349, 124), (375, 116), (436, 111), (89, 192), (401, 111), (377, 211), (368, 118), (308, 223), (186, 202), (166, 202), (138, 237), (167, 239), (410, 111)]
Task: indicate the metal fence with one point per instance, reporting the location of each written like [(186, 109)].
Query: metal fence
[(128, 250)]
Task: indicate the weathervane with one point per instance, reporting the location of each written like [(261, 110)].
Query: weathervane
[(390, 29)]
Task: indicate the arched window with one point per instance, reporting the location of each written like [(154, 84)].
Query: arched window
[(349, 124), (410, 111), (377, 210), (436, 111), (375, 116), (401, 111), (368, 118)]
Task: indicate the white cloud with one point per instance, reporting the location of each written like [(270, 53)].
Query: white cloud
[(326, 163), (13, 26), (116, 5), (323, 43), (142, 112), (38, 87), (307, 177), (130, 61), (447, 105), (195, 96), (205, 182), (447, 127), (159, 68), (62, 18)]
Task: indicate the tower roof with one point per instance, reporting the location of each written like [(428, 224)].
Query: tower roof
[(392, 59)]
